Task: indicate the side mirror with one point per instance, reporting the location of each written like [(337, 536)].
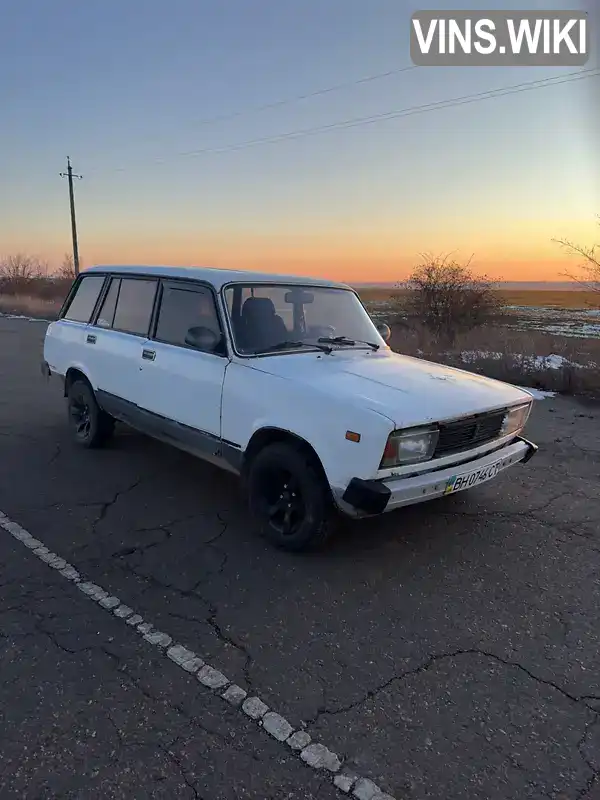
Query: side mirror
[(384, 331), (203, 339)]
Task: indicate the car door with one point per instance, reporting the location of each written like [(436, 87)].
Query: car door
[(182, 373), (120, 329)]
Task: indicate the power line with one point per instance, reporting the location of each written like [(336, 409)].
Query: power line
[(298, 98), (388, 115), (409, 111)]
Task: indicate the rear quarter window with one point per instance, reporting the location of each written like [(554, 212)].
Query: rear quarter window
[(83, 301)]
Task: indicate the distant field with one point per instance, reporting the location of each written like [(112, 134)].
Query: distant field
[(551, 299), (554, 298), (562, 313)]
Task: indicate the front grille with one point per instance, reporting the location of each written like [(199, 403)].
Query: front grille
[(465, 434)]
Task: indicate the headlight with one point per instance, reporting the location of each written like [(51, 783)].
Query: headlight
[(409, 447), (515, 419)]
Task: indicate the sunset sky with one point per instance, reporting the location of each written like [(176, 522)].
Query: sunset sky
[(126, 88)]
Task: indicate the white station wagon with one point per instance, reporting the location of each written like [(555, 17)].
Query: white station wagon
[(287, 382)]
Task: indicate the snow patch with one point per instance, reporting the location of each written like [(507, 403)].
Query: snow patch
[(552, 361), (21, 316), (537, 393)]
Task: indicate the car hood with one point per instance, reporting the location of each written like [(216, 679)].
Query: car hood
[(409, 391)]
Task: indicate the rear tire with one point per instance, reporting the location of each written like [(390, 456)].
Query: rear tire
[(289, 498), (90, 426)]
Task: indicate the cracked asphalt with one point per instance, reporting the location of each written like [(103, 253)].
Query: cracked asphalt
[(448, 651)]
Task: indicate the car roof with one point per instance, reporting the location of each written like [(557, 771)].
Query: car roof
[(217, 277)]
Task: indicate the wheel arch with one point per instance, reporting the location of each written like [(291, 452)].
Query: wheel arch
[(263, 437), (73, 374)]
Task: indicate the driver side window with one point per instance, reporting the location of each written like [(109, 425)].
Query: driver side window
[(188, 318)]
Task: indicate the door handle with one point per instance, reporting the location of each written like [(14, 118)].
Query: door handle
[(91, 339), (149, 355)]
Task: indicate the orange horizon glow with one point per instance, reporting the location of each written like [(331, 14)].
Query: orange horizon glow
[(361, 268), (526, 254), (355, 268)]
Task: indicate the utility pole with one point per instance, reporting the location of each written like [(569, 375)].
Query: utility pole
[(70, 175)]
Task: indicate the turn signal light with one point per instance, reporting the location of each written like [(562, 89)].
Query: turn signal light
[(389, 454)]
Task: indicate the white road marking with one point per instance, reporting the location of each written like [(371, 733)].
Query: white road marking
[(299, 742)]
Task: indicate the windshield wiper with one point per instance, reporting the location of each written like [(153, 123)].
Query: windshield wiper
[(290, 346), (349, 342)]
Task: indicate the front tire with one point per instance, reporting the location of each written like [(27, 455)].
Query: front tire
[(90, 426), (289, 498)]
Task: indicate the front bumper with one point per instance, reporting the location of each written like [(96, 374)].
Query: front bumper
[(368, 498)]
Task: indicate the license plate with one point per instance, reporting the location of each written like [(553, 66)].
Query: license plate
[(458, 483)]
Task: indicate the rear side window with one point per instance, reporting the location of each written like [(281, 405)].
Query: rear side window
[(184, 308), (134, 306), (85, 297), (106, 315)]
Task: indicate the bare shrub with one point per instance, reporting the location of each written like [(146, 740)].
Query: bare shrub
[(589, 268), (448, 298), (18, 271), (66, 270), (50, 289), (24, 276)]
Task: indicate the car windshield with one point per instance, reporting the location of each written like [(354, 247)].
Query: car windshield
[(293, 319)]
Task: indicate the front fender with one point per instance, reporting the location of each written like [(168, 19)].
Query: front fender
[(254, 400)]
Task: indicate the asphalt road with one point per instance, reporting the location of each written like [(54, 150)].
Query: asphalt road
[(449, 651)]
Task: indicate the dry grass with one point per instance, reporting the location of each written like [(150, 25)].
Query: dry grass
[(519, 297), (516, 357), (27, 306), (33, 297)]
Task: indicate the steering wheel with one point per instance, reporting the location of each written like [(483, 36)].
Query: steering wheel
[(322, 331)]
